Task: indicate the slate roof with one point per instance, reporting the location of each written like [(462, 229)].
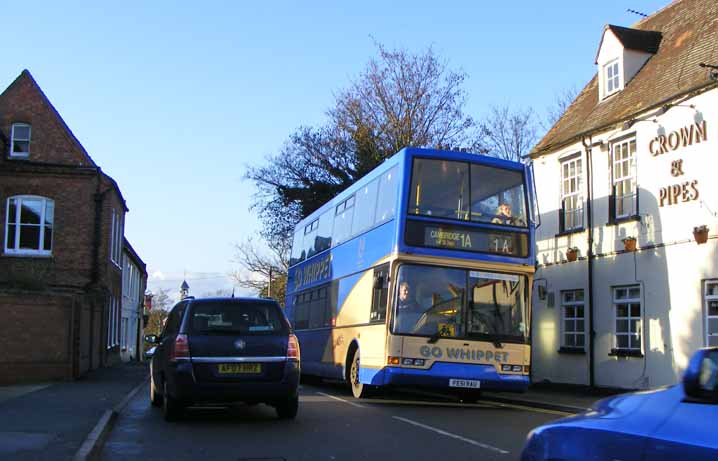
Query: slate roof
[(689, 36)]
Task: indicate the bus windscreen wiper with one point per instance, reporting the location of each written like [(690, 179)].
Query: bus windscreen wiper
[(434, 338)]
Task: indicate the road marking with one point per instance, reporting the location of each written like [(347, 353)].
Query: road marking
[(535, 409), (453, 436), (341, 400), (426, 403)]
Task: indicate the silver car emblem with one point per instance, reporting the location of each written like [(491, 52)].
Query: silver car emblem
[(239, 344)]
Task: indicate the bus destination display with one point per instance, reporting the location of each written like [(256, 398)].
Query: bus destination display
[(463, 239)]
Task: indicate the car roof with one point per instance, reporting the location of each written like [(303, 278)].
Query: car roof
[(234, 300)]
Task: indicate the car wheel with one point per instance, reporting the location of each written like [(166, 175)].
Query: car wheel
[(288, 409), (359, 390), (155, 397), (171, 408)]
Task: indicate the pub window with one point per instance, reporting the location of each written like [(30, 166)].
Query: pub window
[(573, 335), (380, 294), (711, 303), (612, 75), (623, 202), (571, 211), (627, 308)]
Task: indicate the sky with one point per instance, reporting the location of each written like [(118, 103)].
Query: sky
[(175, 100)]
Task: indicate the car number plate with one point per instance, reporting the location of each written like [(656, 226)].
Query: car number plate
[(239, 368), (470, 383)]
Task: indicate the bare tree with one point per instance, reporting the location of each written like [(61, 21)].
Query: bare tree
[(261, 269), (555, 111), (161, 300), (508, 133)]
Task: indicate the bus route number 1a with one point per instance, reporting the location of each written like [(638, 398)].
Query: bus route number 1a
[(501, 244)]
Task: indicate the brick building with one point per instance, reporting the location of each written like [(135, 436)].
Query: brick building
[(61, 227)]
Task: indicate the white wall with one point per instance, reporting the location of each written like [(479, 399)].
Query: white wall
[(131, 299), (670, 272)]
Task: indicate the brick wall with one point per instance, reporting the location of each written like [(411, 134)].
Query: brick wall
[(35, 337)]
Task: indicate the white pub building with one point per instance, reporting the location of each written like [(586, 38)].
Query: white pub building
[(627, 264)]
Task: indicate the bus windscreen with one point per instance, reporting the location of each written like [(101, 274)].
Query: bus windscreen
[(467, 192), (456, 303)]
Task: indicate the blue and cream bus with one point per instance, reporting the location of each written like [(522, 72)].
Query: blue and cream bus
[(419, 275)]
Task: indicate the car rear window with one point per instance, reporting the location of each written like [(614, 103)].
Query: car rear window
[(247, 318)]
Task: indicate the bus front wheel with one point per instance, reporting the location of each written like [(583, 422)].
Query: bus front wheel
[(359, 390)]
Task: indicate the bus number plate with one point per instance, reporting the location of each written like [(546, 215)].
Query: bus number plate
[(469, 383)]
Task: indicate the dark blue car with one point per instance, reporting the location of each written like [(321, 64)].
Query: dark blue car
[(674, 423), (222, 351)]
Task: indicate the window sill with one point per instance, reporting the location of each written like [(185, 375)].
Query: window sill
[(27, 254), (577, 230), (625, 353), (624, 220), (572, 350), (19, 156)]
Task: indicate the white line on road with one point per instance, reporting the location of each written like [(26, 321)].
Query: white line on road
[(341, 400), (454, 436)]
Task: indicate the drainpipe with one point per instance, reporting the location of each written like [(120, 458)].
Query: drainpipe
[(588, 144)]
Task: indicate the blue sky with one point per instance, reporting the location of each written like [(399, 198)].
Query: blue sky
[(175, 99)]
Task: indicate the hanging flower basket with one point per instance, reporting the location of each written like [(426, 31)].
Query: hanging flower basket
[(700, 234), (572, 254), (629, 244)]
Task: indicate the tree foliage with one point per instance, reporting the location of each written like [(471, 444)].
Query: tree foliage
[(399, 100)]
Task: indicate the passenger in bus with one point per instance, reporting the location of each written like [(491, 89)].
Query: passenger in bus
[(408, 311), (503, 215)]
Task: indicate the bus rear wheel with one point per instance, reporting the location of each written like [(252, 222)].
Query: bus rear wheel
[(359, 390)]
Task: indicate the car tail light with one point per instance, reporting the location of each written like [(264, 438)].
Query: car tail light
[(180, 350), (293, 348)]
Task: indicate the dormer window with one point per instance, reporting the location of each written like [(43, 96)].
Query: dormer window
[(621, 55), (612, 77), (20, 140)]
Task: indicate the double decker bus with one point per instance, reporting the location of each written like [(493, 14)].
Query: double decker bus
[(419, 275)]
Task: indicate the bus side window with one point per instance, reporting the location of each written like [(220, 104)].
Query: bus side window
[(380, 293)]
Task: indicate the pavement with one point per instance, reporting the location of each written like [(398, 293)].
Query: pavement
[(560, 397), (51, 421)]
